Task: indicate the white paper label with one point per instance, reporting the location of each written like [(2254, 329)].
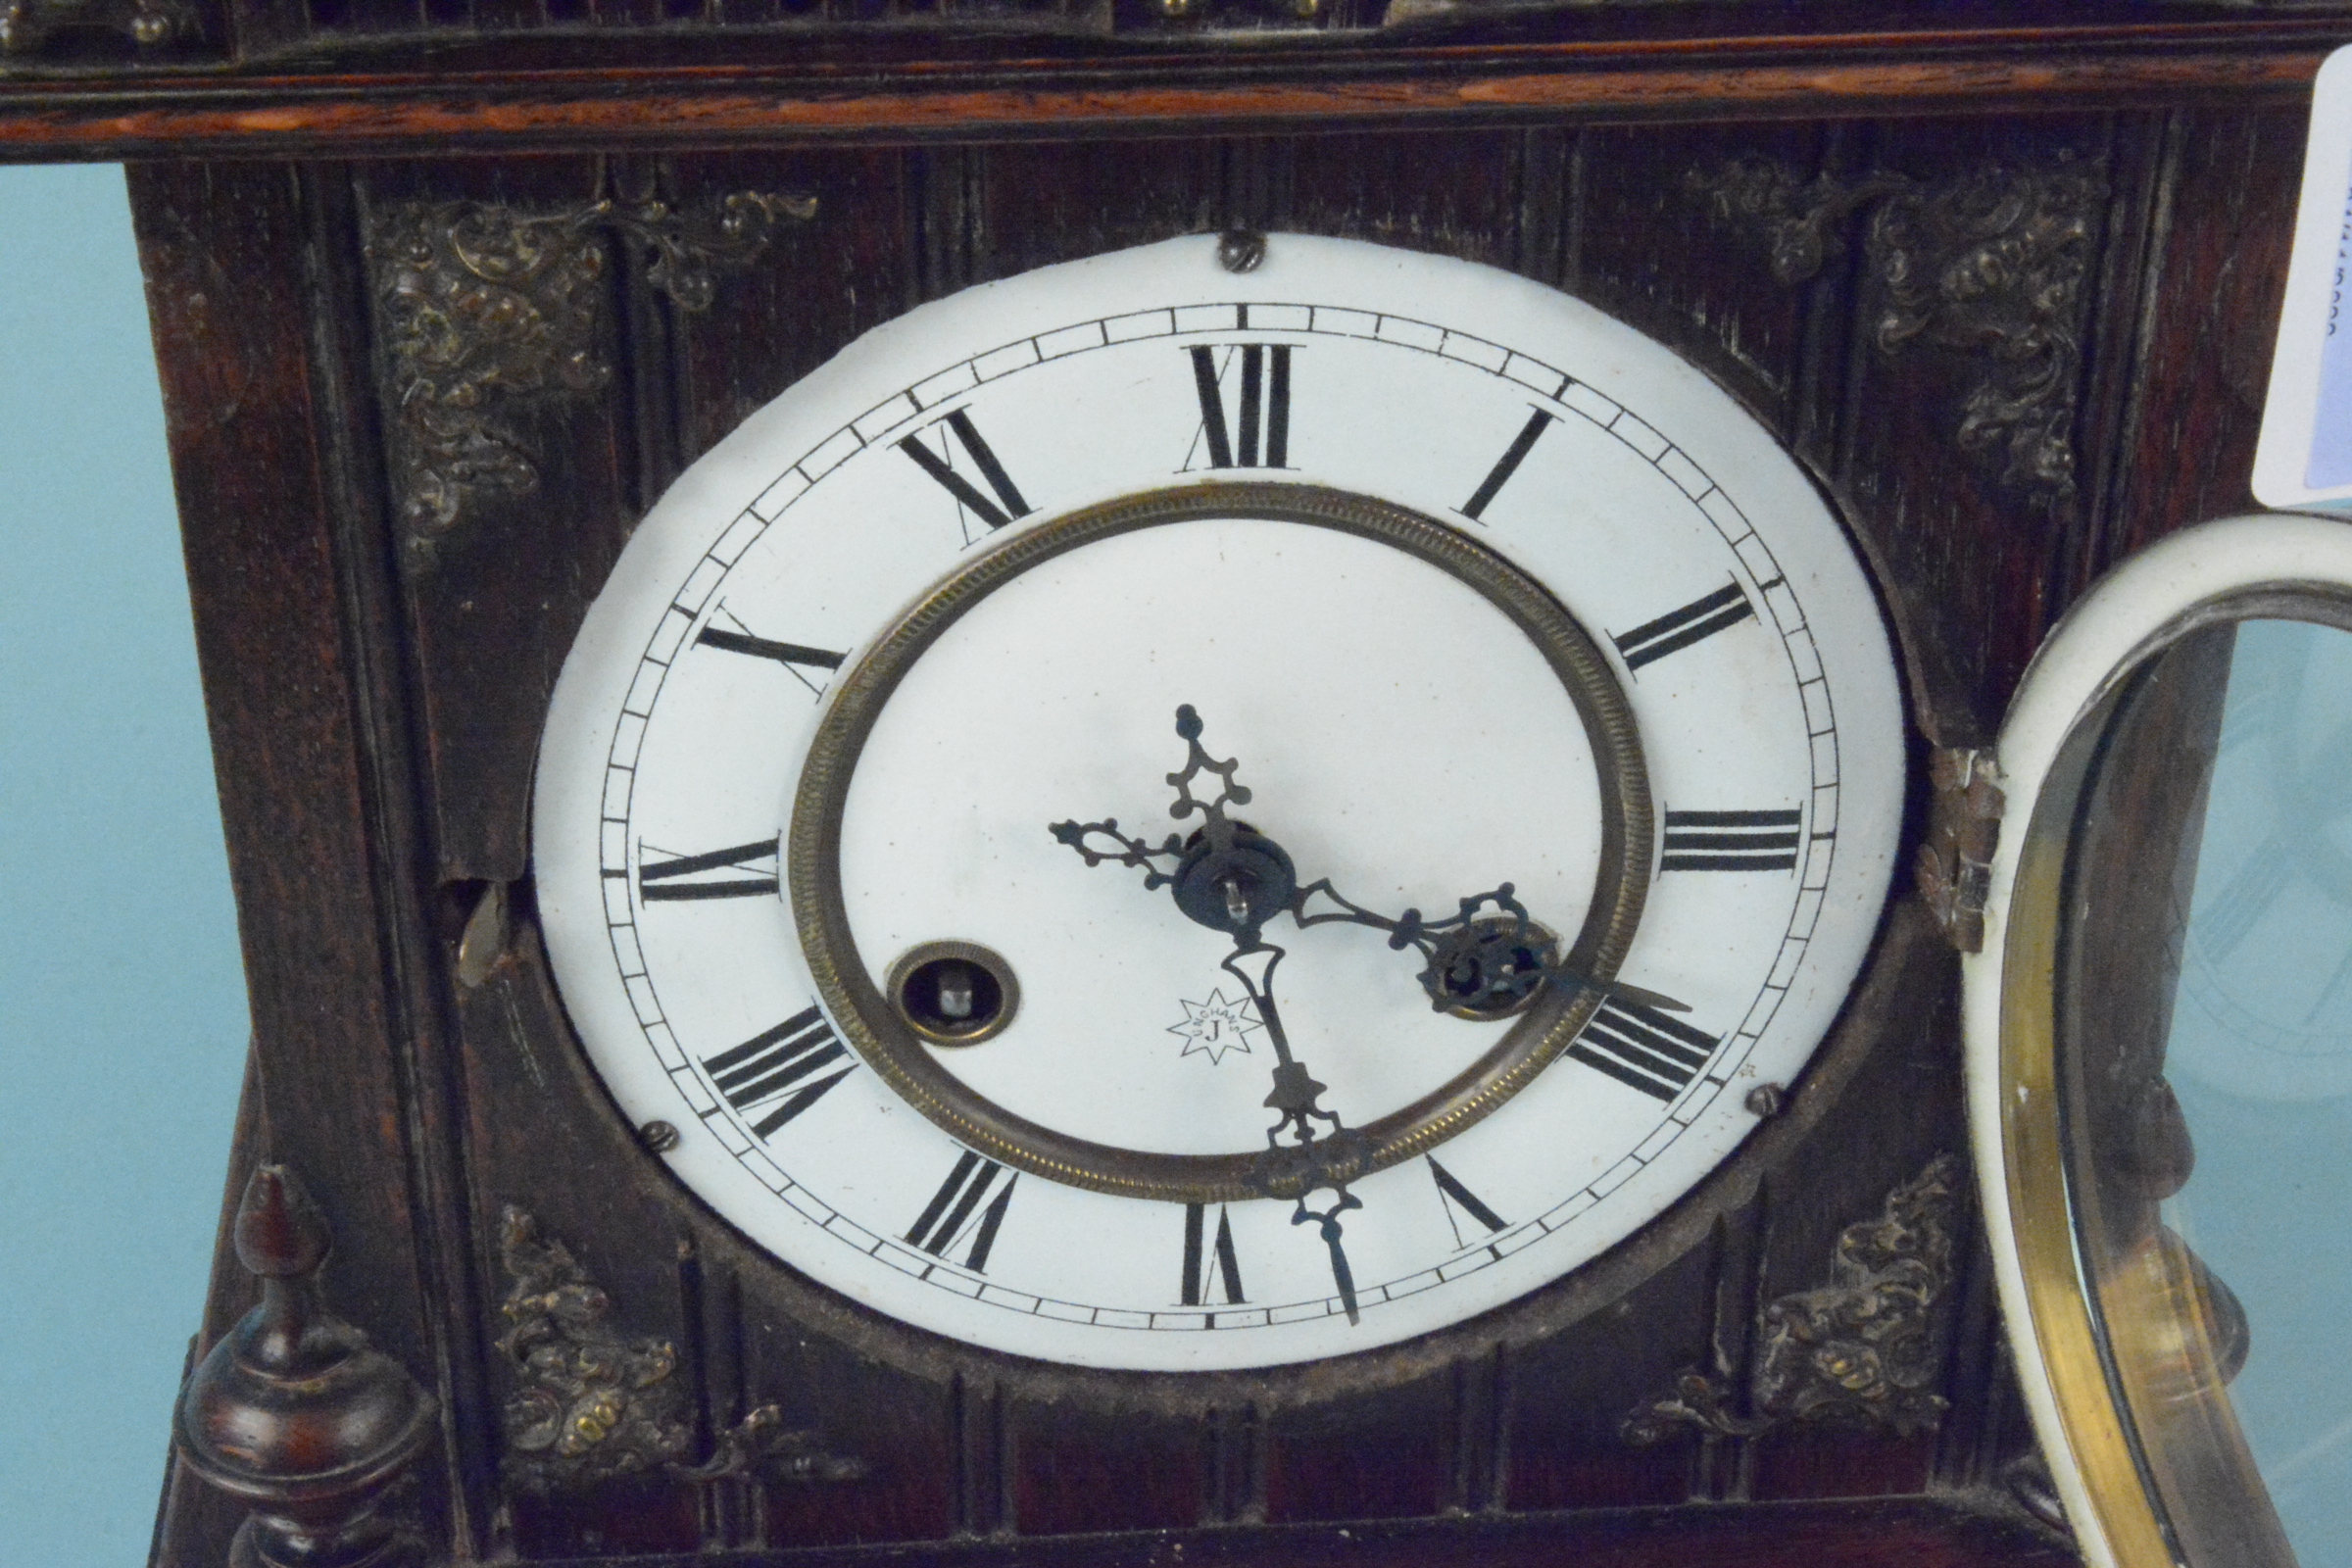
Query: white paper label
[(2305, 454)]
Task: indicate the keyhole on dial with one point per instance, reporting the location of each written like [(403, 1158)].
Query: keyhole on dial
[(954, 993)]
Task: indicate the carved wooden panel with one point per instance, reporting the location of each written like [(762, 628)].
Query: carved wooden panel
[(1995, 344)]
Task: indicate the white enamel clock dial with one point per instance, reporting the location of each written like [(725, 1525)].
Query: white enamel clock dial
[(1472, 585)]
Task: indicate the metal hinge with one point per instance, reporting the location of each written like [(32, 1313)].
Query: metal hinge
[(1954, 869)]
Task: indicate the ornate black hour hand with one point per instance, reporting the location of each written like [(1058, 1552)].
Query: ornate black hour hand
[(1226, 874), (1480, 965), (1308, 1148)]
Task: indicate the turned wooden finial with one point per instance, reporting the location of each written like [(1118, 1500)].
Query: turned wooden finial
[(293, 1410)]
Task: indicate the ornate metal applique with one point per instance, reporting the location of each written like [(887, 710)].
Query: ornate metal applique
[(1992, 264), (1863, 1350), (28, 24), (484, 308), (591, 1405), (1954, 869)]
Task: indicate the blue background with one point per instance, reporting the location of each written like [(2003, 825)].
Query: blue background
[(123, 1019)]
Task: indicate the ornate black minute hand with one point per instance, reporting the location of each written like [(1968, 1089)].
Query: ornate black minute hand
[(1232, 878), (1478, 964), (1322, 1151)]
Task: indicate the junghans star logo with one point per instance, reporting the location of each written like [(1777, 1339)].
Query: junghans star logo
[(1214, 1027)]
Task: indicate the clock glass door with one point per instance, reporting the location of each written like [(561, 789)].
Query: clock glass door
[(2161, 1037)]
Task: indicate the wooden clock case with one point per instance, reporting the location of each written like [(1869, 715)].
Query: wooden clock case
[(446, 293)]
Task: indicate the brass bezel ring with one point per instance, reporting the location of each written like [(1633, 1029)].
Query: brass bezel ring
[(912, 1071)]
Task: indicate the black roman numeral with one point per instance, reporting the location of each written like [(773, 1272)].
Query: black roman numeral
[(1197, 1257), (737, 642), (777, 1060), (1265, 407), (1007, 504), (1730, 841), (1677, 629), (803, 663), (947, 1218), (1458, 1198), (680, 877), (1499, 475), (1643, 1048)]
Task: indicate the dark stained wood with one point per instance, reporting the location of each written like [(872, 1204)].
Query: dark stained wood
[(491, 606), (249, 427), (2218, 262), (1916, 1533), (1077, 1471), (1374, 1456), (285, 117), (1649, 252), (1569, 1396), (376, 708)]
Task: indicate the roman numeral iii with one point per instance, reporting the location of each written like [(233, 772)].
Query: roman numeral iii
[(734, 872), (780, 1061), (1202, 1259), (1730, 841), (1677, 629), (1262, 373), (1007, 502), (947, 1218), (1643, 1048)]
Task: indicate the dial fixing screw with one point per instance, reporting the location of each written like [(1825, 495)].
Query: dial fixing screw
[(658, 1137), (1766, 1100), (1240, 250)]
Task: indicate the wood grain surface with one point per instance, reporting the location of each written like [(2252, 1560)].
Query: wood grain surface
[(375, 712)]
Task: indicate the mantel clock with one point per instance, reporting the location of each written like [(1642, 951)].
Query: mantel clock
[(1100, 782)]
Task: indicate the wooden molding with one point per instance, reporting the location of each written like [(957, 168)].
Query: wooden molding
[(356, 113)]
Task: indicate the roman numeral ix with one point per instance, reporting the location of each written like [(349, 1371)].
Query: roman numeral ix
[(1677, 629), (1265, 406), (947, 1218), (680, 877), (1643, 1048), (1007, 502), (1199, 1260), (1730, 841), (775, 1061)]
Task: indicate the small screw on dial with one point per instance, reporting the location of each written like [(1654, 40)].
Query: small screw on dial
[(1241, 250), (1766, 1100), (658, 1137)]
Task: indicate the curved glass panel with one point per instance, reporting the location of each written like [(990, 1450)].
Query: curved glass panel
[(2201, 1058)]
